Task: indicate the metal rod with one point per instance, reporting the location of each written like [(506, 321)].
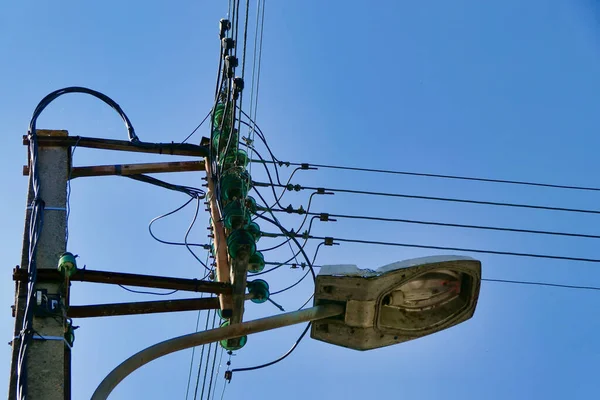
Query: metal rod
[(121, 278), (142, 307), (196, 339), (173, 149)]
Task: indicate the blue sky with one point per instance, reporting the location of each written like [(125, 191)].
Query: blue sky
[(504, 89)]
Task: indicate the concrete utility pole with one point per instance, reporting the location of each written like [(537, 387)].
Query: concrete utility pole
[(48, 361)]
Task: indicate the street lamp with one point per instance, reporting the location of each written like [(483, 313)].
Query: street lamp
[(354, 308), (396, 303)]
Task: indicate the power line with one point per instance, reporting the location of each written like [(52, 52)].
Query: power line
[(419, 246), (197, 127), (447, 224), (558, 285), (446, 199), (145, 292), (507, 281), (442, 176)]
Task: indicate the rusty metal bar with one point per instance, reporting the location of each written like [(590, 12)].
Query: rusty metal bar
[(173, 149), (120, 278), (143, 307), (132, 169)]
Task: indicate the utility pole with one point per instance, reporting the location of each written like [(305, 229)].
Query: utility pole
[(46, 371), (48, 364)]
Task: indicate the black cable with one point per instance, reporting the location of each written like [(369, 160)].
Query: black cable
[(201, 356), (558, 285), (418, 246), (280, 358), (446, 224), (303, 276), (447, 199), (207, 247), (287, 240), (275, 222), (212, 371), (190, 191), (185, 239), (208, 358), (187, 390), (301, 225), (144, 292), (287, 263), (245, 38), (458, 177), (272, 184), (77, 89), (262, 138), (218, 371), (293, 237), (69, 192), (196, 128)]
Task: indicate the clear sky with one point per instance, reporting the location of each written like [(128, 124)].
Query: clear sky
[(502, 89)]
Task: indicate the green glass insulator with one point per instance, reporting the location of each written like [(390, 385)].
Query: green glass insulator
[(251, 204), (235, 216), (240, 242), (235, 184), (228, 146), (256, 262), (216, 137), (218, 114), (259, 289), (254, 229), (233, 344), (67, 265), (236, 157)]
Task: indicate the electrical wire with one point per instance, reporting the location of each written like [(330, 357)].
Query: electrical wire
[(443, 176), (187, 233), (557, 285), (272, 184), (284, 356), (254, 60), (260, 135), (418, 246), (212, 372), (145, 292), (447, 224), (69, 192), (187, 390), (218, 370), (78, 89), (208, 358), (205, 246), (280, 358), (446, 199), (262, 26), (201, 356), (303, 276), (190, 191), (197, 127), (275, 222)]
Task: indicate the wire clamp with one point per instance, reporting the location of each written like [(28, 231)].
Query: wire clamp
[(50, 208), (44, 338)]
